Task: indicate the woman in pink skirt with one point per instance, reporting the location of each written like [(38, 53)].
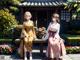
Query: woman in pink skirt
[(56, 47)]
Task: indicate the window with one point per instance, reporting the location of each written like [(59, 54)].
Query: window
[(65, 15)]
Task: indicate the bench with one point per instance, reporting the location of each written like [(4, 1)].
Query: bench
[(40, 41)]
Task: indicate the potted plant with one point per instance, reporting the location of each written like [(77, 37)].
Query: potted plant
[(41, 32)]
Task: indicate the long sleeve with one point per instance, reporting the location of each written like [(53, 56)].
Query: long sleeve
[(23, 33), (58, 29), (34, 33)]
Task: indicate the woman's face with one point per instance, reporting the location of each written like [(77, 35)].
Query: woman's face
[(27, 16), (53, 19)]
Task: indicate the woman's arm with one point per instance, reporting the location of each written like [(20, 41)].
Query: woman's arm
[(23, 33), (58, 28), (57, 32), (33, 29)]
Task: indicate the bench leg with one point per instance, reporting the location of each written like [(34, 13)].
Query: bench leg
[(41, 49)]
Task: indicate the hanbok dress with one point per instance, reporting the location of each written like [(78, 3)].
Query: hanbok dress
[(56, 47), (27, 37)]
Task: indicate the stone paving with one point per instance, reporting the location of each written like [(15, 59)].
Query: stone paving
[(72, 57), (38, 57)]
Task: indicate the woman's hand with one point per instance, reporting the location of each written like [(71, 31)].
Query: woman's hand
[(44, 38), (35, 37)]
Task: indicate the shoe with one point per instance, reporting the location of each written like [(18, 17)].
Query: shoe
[(25, 58), (30, 57)]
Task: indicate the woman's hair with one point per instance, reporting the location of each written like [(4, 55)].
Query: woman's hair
[(28, 13), (56, 15)]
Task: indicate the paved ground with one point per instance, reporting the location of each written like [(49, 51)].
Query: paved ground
[(68, 57), (38, 56)]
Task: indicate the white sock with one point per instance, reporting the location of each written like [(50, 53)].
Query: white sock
[(25, 56), (30, 55)]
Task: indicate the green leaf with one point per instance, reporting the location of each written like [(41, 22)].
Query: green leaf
[(65, 7), (65, 4), (69, 0), (75, 5), (15, 9), (78, 10), (15, 2), (7, 21), (74, 16)]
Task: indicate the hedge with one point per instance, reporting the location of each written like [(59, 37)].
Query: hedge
[(71, 39)]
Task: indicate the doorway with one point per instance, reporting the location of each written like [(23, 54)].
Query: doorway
[(42, 19)]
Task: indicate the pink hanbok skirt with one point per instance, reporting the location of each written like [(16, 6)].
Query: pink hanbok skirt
[(55, 47)]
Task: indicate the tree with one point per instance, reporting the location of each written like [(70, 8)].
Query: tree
[(8, 10), (7, 21), (70, 4), (10, 4)]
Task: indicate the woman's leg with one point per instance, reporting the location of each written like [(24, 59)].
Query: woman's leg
[(28, 50), (28, 47), (25, 55), (20, 50)]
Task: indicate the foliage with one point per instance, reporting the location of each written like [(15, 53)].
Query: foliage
[(13, 2), (14, 9), (41, 32), (10, 4), (73, 49), (5, 49), (7, 21), (70, 4), (71, 39)]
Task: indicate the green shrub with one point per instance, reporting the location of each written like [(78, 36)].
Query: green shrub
[(6, 49), (73, 50), (70, 39), (7, 21)]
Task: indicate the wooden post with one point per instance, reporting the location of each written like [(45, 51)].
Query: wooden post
[(22, 14)]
